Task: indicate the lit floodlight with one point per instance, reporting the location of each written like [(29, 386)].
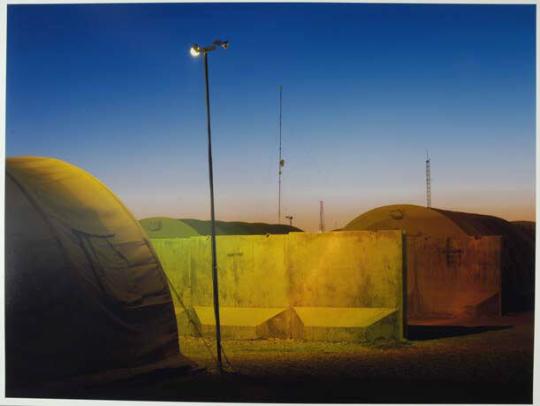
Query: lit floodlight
[(195, 50)]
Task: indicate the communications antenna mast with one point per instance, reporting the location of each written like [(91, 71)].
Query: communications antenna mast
[(321, 224), (281, 161), (428, 180)]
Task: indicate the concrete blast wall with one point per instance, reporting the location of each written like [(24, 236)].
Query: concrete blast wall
[(452, 277), (345, 269), (337, 285)]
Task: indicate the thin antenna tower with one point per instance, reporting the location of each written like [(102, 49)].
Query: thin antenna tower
[(428, 180), (281, 161), (321, 212)]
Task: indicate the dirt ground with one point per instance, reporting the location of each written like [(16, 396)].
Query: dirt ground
[(462, 363)]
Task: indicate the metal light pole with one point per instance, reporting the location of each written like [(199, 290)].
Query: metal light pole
[(196, 50)]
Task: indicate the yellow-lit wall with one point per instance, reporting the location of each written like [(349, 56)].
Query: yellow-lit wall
[(252, 270), (335, 269), (355, 269), (345, 269)]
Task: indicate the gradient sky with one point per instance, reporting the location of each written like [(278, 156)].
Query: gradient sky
[(367, 89)]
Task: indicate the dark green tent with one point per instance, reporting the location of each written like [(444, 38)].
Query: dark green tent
[(86, 298), (166, 227)]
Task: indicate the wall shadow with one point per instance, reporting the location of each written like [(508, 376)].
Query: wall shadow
[(419, 333)]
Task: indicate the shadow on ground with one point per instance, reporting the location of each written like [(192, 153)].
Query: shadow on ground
[(205, 387), (419, 333)]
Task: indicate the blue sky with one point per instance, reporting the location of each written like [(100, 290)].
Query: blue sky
[(367, 89)]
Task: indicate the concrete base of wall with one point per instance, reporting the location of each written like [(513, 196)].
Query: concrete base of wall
[(350, 324), (489, 305), (286, 324), (465, 306), (307, 323), (242, 323)]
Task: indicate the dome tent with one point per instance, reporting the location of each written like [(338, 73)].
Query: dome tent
[(203, 227), (416, 220), (518, 245), (167, 227), (86, 297)]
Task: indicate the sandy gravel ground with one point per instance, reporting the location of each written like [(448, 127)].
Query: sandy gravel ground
[(464, 364)]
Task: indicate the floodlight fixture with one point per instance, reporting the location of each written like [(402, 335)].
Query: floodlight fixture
[(196, 49)]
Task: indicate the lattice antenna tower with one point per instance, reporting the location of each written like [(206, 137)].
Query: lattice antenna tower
[(428, 180)]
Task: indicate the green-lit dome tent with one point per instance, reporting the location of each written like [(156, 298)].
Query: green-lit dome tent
[(518, 244), (86, 298), (167, 227)]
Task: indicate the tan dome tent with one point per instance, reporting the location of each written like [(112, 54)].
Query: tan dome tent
[(86, 298), (416, 220), (518, 244)]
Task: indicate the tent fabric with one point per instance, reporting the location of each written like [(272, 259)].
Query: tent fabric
[(528, 227), (203, 227), (166, 227), (480, 224), (518, 253), (85, 293), (416, 220)]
